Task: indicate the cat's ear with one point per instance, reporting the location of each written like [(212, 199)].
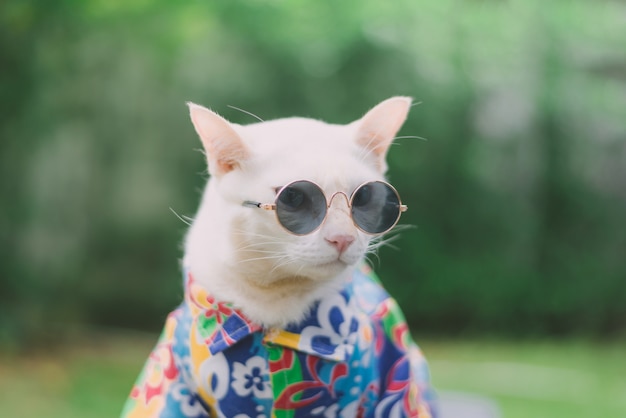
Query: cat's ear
[(379, 126), (224, 148)]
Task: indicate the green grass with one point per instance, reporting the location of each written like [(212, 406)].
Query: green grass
[(544, 379), (90, 379)]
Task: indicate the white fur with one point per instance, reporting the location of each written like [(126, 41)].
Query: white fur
[(242, 254)]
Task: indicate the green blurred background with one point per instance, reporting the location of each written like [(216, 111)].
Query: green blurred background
[(518, 192)]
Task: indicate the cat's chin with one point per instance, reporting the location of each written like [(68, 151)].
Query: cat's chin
[(282, 300), (286, 282), (305, 279), (324, 271)]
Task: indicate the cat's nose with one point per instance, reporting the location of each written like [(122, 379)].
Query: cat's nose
[(340, 242)]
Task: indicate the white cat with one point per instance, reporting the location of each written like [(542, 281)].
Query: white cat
[(286, 277), (242, 255)]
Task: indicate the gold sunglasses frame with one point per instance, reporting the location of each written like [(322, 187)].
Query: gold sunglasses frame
[(272, 206)]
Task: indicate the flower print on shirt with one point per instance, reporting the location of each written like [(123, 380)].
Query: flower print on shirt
[(187, 401), (337, 333), (253, 377), (213, 374), (219, 310)]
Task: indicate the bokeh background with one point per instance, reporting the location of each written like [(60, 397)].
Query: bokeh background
[(517, 190)]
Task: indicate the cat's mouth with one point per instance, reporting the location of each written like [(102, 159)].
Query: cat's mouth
[(330, 268), (341, 260), (338, 262)]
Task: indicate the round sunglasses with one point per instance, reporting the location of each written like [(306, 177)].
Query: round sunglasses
[(301, 207)]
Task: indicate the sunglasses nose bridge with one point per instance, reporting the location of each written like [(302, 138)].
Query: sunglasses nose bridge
[(330, 201)]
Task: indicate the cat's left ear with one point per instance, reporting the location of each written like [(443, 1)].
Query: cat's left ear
[(224, 148), (378, 128)]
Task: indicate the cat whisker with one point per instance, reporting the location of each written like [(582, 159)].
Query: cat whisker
[(258, 251), (368, 148), (247, 113), (287, 260), (373, 247), (264, 240), (279, 259), (411, 136), (386, 240), (370, 262), (372, 252), (186, 219), (299, 269), (400, 228), (251, 247), (252, 234), (269, 257), (368, 151)]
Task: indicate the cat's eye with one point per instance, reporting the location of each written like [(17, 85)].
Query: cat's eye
[(301, 207)]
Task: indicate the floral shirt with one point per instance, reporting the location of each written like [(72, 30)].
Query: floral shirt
[(352, 356)]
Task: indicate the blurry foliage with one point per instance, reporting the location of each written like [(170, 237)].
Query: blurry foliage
[(517, 194)]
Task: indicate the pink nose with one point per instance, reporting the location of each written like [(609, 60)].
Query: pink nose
[(340, 242)]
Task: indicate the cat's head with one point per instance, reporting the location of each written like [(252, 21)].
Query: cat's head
[(252, 163)]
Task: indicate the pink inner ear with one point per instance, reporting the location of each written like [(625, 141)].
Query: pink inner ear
[(229, 159), (225, 149), (225, 167), (380, 125)]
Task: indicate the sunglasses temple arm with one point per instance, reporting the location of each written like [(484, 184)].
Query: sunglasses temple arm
[(251, 204), (404, 208), (264, 206)]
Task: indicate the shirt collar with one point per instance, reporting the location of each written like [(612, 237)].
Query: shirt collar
[(330, 331)]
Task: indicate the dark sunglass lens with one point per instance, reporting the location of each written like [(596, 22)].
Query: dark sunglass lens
[(375, 207), (363, 196), (292, 199), (301, 207)]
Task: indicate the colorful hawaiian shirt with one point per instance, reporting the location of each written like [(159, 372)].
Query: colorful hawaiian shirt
[(353, 356)]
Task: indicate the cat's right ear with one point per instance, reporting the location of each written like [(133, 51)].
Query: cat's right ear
[(380, 125), (224, 148)]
